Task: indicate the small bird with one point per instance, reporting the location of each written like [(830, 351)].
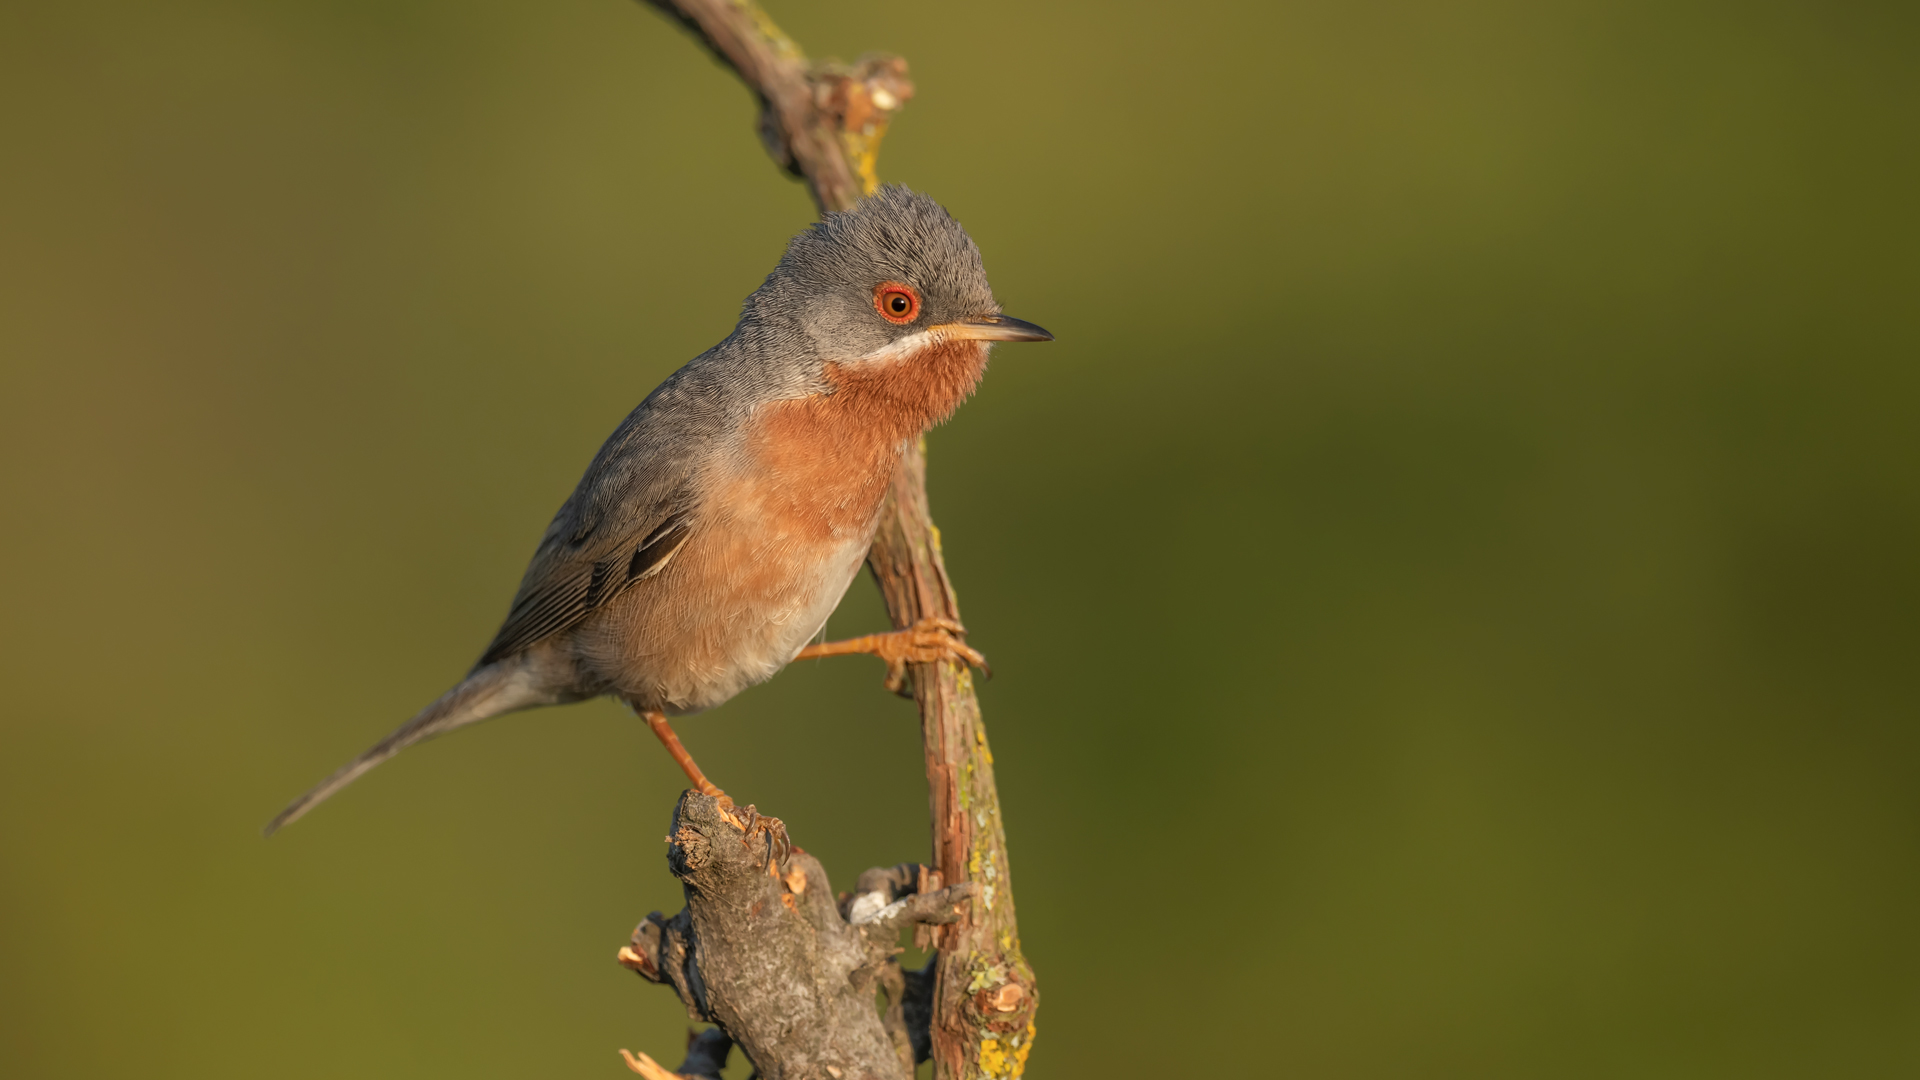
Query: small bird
[(723, 520)]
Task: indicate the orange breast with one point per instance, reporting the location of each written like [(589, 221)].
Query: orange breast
[(782, 536)]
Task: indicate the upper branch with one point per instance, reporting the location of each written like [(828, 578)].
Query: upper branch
[(823, 122)]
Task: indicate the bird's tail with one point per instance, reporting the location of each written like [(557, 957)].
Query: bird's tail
[(497, 688)]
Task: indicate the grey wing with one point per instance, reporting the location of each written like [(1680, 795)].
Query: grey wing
[(562, 588), (631, 512)]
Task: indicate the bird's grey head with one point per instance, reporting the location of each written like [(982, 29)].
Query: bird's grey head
[(894, 272)]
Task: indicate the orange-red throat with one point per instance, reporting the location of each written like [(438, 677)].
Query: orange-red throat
[(900, 396), (830, 456)]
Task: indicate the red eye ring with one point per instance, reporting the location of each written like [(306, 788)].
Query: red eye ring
[(896, 303)]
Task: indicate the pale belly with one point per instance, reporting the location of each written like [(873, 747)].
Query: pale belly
[(732, 608)]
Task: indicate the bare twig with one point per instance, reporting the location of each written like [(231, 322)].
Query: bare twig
[(822, 122)]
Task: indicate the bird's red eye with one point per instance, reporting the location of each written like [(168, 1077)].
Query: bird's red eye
[(896, 303)]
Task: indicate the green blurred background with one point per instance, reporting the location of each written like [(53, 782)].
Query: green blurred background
[(1453, 582)]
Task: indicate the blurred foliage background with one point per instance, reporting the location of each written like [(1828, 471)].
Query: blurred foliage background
[(1453, 582)]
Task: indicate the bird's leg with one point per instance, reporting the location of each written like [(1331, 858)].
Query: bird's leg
[(751, 822), (661, 729), (929, 640)]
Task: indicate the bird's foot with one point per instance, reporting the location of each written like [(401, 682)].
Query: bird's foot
[(928, 641), (751, 823)]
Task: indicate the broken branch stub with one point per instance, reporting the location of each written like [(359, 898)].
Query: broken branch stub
[(788, 974)]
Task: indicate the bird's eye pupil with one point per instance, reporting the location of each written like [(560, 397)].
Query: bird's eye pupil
[(898, 303)]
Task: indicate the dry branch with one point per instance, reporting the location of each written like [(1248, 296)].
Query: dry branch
[(972, 1009), (765, 951)]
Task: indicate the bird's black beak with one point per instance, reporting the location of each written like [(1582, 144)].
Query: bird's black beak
[(993, 328)]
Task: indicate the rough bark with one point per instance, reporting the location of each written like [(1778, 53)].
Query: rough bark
[(784, 973), (984, 995), (763, 950)]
